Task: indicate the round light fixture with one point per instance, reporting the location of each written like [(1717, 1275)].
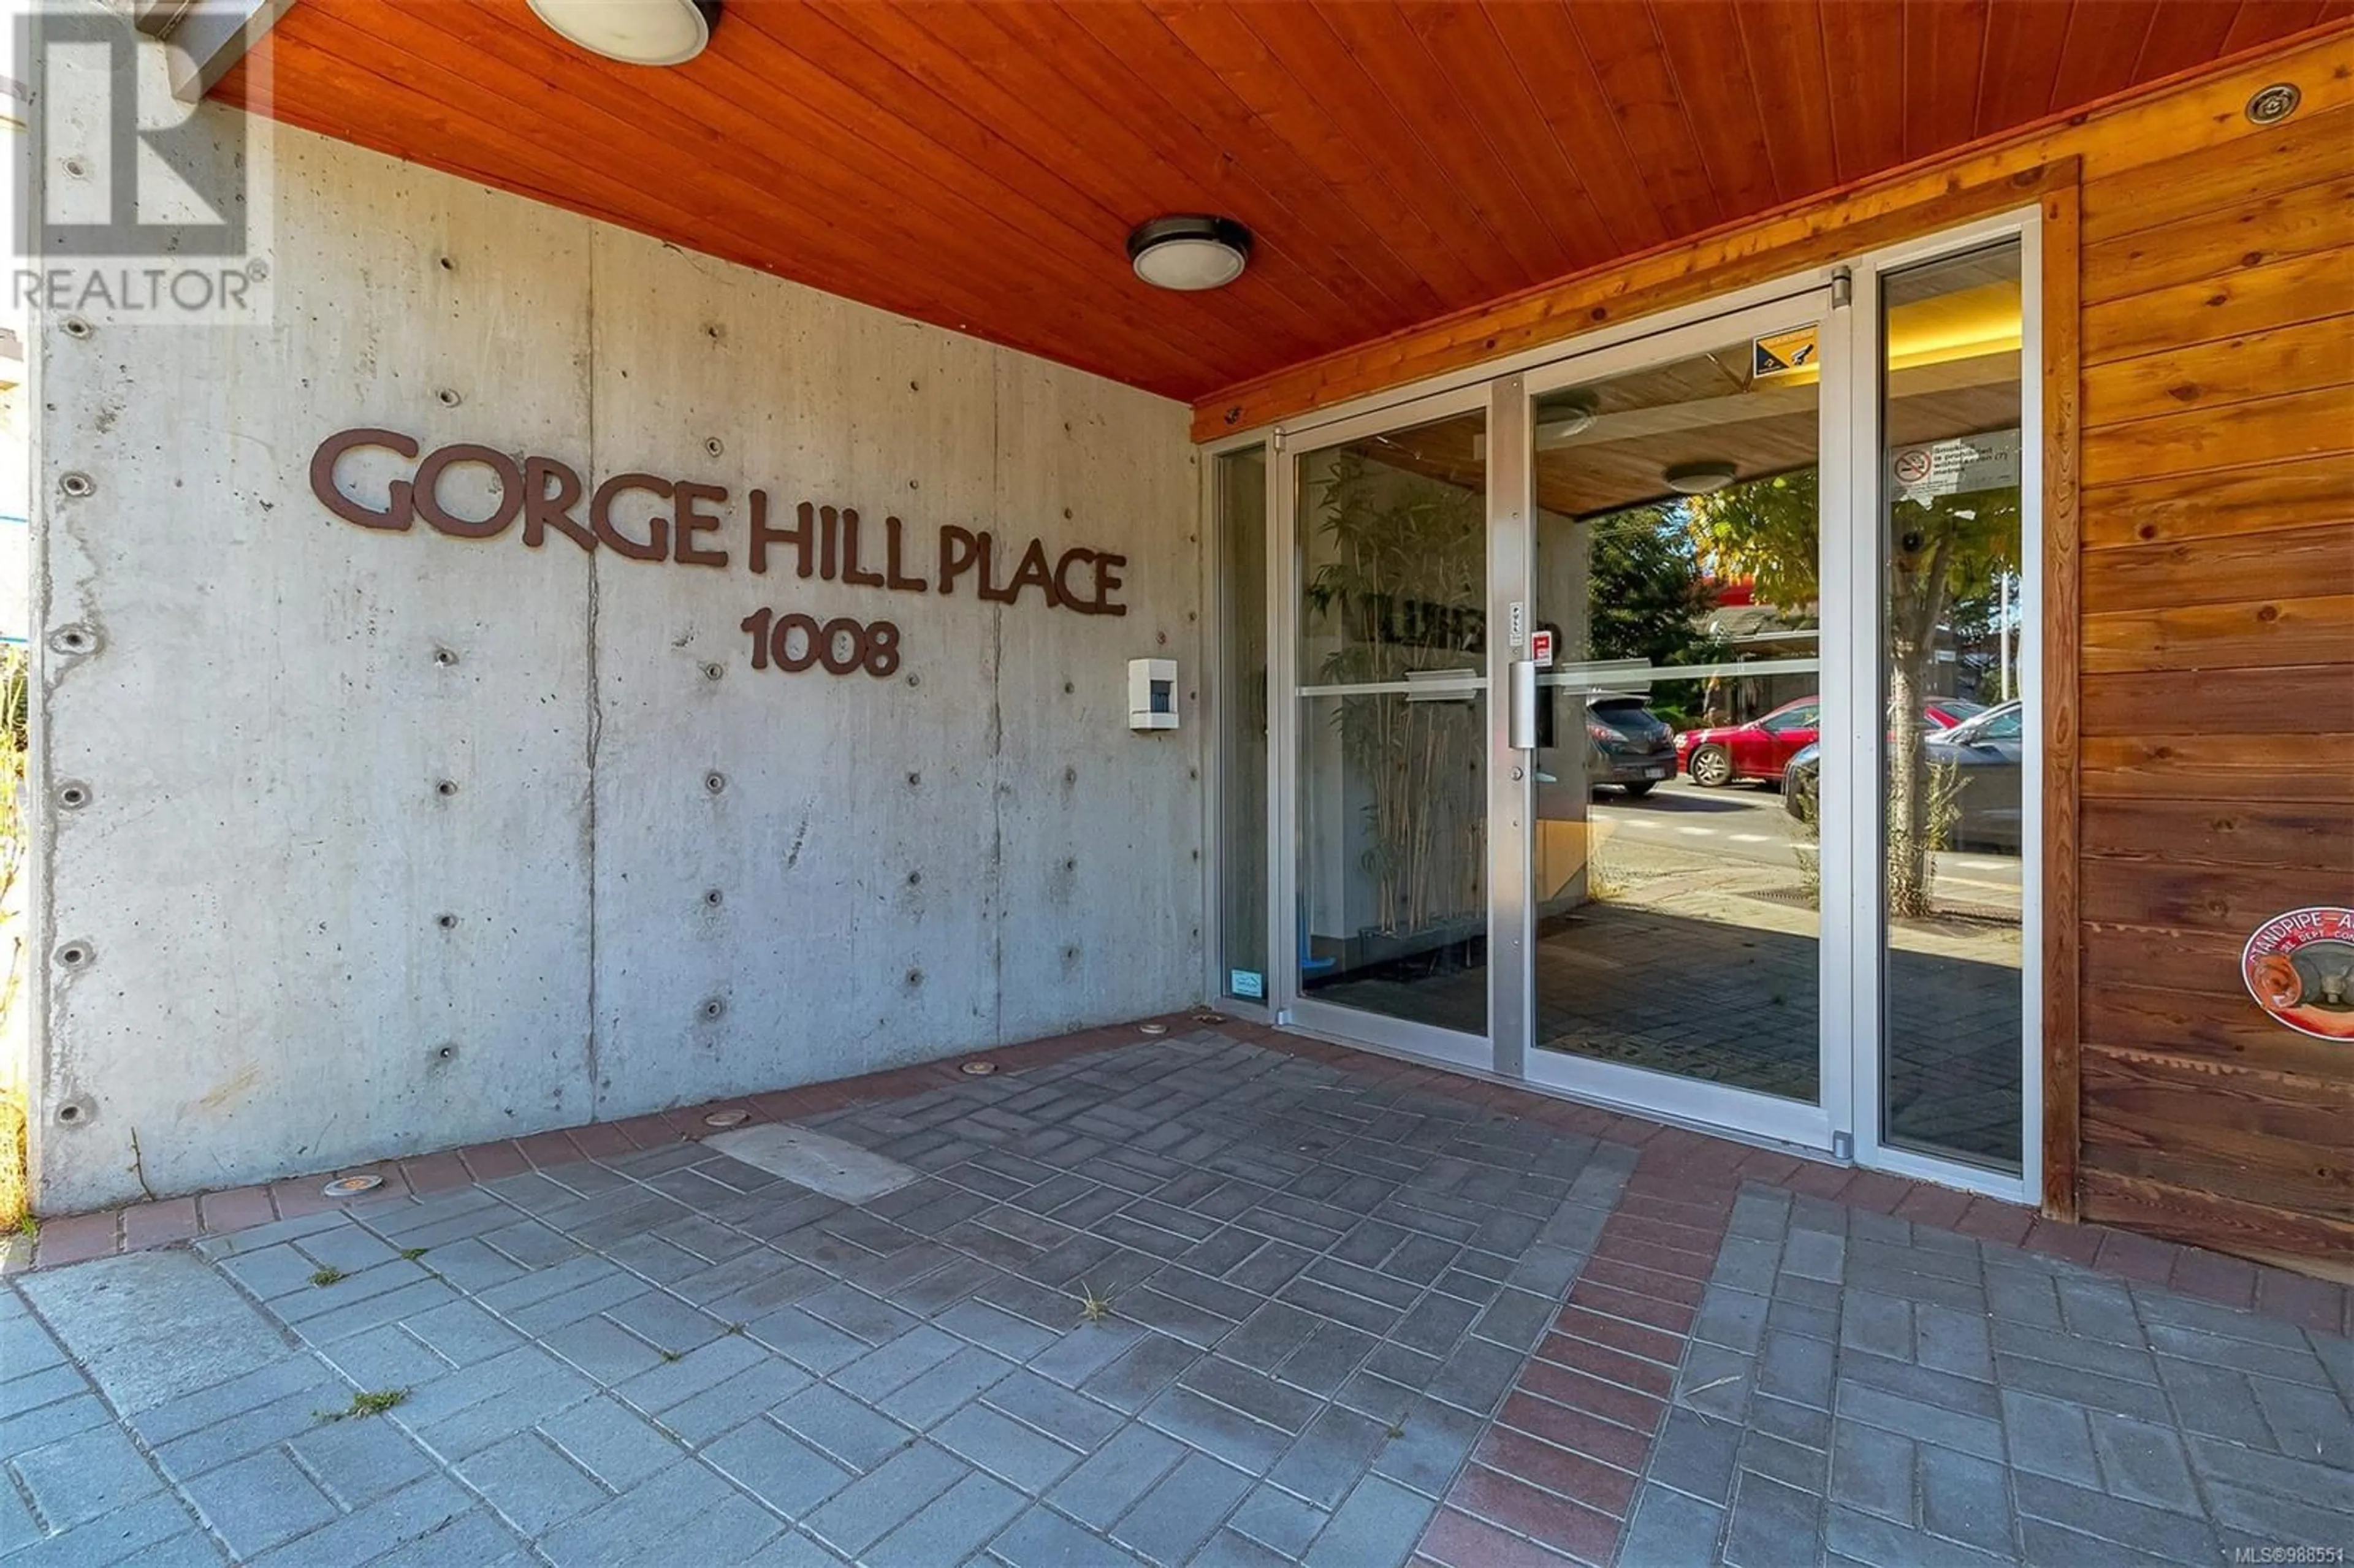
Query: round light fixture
[(1559, 421), (635, 32), (2272, 104), (1189, 251), (1699, 478)]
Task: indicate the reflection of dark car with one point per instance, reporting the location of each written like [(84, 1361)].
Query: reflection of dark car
[(1627, 743), (1984, 752)]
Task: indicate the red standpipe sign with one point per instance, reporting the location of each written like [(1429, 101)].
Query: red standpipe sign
[(2300, 969)]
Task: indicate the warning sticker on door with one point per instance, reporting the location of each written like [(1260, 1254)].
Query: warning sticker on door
[(1780, 353)]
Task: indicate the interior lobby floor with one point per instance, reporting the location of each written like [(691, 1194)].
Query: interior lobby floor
[(1217, 1295), (1693, 951)]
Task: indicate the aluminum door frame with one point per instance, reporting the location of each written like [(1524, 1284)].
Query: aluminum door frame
[(1824, 1124)]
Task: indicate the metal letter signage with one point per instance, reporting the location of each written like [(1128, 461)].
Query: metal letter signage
[(648, 517), (2300, 969)]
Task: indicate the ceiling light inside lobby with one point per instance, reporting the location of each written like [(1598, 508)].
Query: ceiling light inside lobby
[(1699, 478), (1189, 251), (635, 32)]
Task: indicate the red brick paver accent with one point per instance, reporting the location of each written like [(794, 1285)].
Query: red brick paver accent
[(153, 1224), (78, 1237), (1553, 1478)]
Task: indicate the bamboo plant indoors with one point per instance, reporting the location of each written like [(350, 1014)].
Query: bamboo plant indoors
[(1394, 587)]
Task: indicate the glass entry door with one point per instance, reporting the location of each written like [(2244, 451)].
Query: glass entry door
[(1659, 724), (1389, 719), (1674, 915)]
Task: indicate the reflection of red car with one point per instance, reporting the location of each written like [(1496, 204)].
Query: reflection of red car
[(1763, 747)]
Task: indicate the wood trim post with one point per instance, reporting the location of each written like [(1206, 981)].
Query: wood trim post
[(2062, 648)]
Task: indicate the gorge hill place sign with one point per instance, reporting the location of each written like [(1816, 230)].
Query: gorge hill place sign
[(647, 517)]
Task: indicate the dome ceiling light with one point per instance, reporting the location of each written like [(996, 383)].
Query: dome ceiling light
[(635, 32), (1705, 478), (1188, 251)]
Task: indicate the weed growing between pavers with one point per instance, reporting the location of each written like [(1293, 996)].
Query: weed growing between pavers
[(1093, 1308), (366, 1403), (326, 1276), (411, 1254)]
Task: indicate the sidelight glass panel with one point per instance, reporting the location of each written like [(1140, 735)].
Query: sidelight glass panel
[(1241, 519), (1953, 778), (1393, 541), (1677, 547)]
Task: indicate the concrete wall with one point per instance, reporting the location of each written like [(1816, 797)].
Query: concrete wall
[(650, 886)]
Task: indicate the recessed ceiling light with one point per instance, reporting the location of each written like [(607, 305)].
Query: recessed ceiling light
[(1189, 251), (635, 32), (1699, 478)]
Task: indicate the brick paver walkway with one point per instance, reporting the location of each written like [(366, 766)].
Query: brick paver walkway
[(1359, 1313)]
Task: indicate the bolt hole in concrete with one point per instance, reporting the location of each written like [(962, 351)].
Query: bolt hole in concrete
[(70, 1112), (842, 1171), (448, 398), (75, 327), (444, 657), (77, 485), (714, 1008), (715, 898), (713, 671), (73, 640), (74, 795), (73, 955), (714, 446), (447, 787), (447, 922), (447, 1052), (713, 783)]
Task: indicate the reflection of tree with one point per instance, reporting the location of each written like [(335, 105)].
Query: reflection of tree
[(1940, 549), (1647, 593), (1402, 587)]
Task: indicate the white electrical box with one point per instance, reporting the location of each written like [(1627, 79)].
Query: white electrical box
[(1152, 694)]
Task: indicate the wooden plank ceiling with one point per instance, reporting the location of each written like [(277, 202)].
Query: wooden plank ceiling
[(979, 165)]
